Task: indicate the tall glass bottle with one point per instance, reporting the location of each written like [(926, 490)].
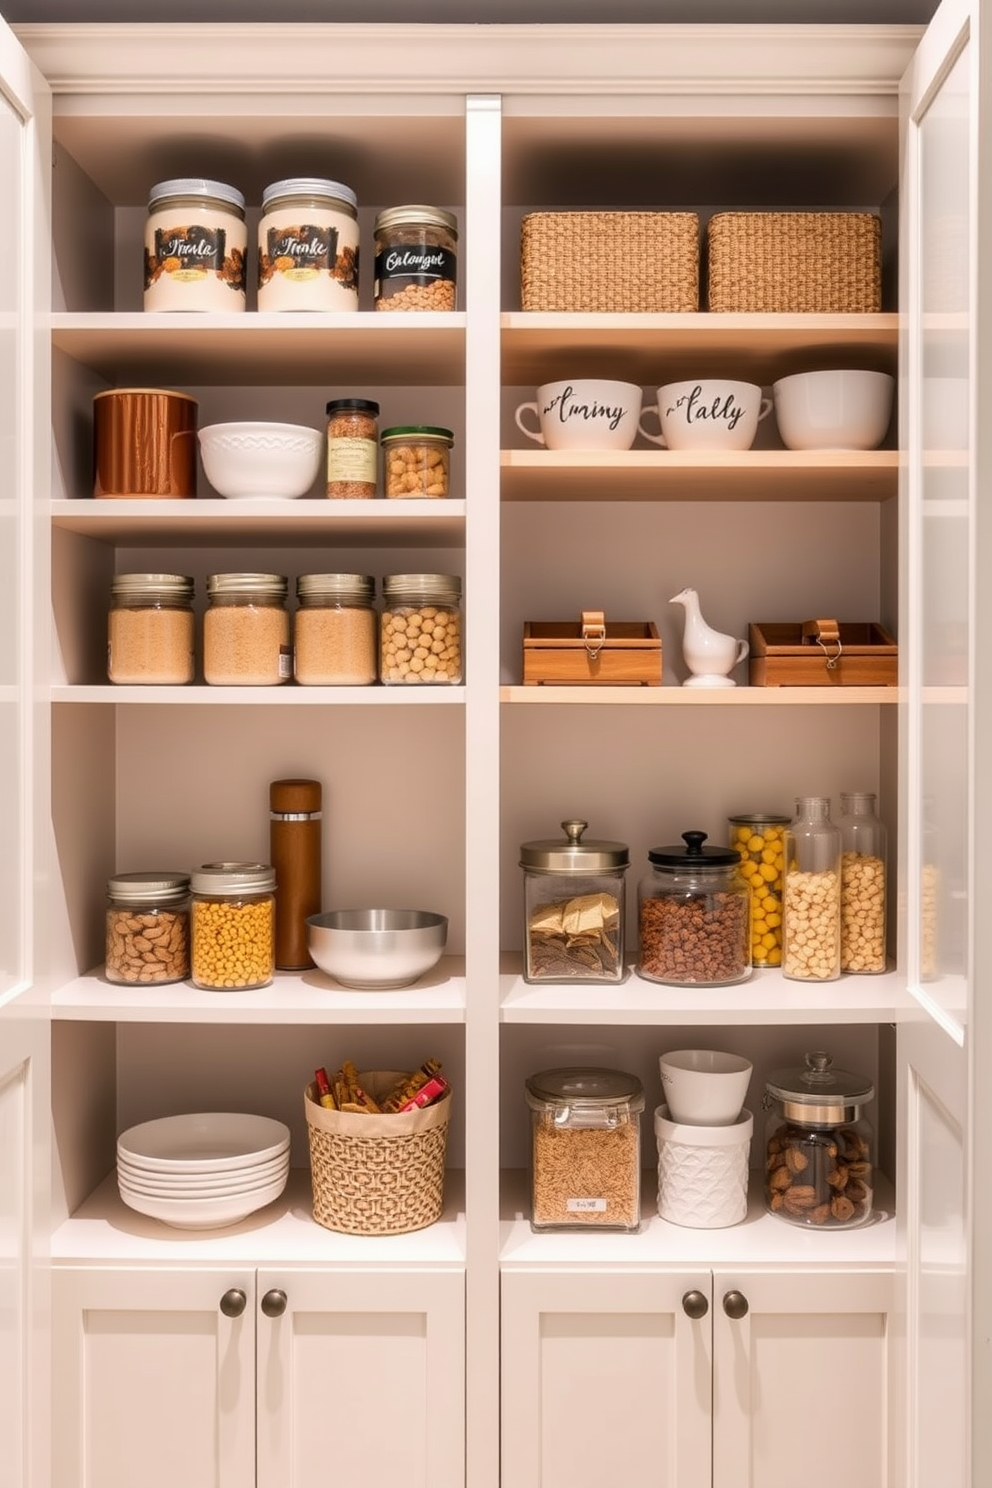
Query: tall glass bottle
[(862, 884), (811, 894)]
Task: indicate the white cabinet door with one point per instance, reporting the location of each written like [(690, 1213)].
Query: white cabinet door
[(361, 1378), (606, 1379), (800, 1379), (153, 1378)]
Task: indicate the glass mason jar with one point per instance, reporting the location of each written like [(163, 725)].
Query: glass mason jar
[(416, 259), (246, 640), (416, 460), (574, 908), (862, 884), (811, 894), (420, 635), (150, 629), (585, 1149), (308, 246), (352, 448), (147, 928), (335, 630), (760, 839), (819, 1147), (195, 246), (694, 916), (232, 925)]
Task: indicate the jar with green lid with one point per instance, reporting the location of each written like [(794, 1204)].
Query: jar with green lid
[(585, 1149), (416, 460), (352, 448), (420, 633), (694, 914), (147, 925), (819, 1147), (195, 246), (335, 630), (574, 908), (416, 258), (150, 629), (232, 925), (308, 246), (246, 630)]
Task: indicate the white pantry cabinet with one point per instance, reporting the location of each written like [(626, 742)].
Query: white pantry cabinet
[(429, 792)]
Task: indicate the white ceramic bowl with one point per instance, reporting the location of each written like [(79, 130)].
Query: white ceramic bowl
[(847, 409), (260, 460), (376, 949), (186, 1213), (203, 1142), (233, 1180), (704, 1087)]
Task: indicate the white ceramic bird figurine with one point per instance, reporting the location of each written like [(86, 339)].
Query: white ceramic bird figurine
[(710, 656)]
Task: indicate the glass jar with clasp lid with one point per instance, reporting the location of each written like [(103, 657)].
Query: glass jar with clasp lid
[(585, 1149), (574, 908)]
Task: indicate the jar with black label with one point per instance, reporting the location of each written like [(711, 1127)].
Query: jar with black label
[(246, 631), (819, 1157), (147, 942), (574, 908), (416, 259), (416, 460), (150, 629), (352, 448), (232, 925), (694, 916), (335, 630), (195, 246), (585, 1149), (308, 246), (420, 634)]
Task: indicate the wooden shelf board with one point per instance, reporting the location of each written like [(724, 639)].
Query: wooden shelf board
[(288, 695), (693, 697)]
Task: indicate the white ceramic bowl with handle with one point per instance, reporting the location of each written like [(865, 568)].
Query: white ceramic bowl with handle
[(261, 460), (704, 1087)]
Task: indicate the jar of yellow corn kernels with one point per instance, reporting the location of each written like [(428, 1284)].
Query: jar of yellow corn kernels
[(759, 838), (232, 918)]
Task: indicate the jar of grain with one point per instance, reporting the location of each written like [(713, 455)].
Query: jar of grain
[(195, 245), (335, 630), (694, 916), (862, 884), (574, 908), (811, 894), (246, 640), (308, 246), (759, 837), (352, 447), (819, 1147), (416, 460), (420, 638), (585, 1149), (233, 925), (147, 928), (150, 629), (416, 258)]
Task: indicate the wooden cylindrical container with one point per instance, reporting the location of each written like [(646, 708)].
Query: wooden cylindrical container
[(294, 832), (144, 443)]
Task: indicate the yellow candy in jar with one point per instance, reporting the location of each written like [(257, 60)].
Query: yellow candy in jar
[(760, 841)]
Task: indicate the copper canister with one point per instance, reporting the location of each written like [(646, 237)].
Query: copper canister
[(144, 443)]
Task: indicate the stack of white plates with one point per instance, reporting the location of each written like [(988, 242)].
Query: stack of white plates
[(205, 1170)]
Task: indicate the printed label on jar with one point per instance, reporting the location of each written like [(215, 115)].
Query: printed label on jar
[(285, 662), (352, 460), (192, 252), (299, 252), (414, 264), (586, 1206)]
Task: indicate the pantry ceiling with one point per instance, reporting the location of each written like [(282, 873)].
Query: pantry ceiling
[(886, 12)]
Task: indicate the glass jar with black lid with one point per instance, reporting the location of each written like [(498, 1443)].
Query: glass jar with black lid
[(694, 911)]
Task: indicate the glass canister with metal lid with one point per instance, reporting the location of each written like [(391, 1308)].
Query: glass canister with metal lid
[(819, 1146), (308, 246), (574, 908), (585, 1149), (416, 258), (694, 913), (232, 925)]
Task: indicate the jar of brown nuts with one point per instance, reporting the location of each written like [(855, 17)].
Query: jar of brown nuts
[(694, 912), (819, 1157), (420, 633), (416, 460), (416, 257), (147, 928)]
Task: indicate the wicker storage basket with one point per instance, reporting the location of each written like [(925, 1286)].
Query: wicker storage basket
[(610, 261), (794, 262), (377, 1175)]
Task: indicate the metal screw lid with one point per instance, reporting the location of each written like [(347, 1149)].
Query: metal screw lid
[(573, 855), (417, 588), (359, 588), (164, 886), (196, 186), (417, 431), (259, 585), (416, 215), (309, 186), (167, 586), (227, 880)]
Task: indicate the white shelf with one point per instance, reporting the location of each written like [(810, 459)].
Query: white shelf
[(289, 694), (104, 1230), (293, 998)]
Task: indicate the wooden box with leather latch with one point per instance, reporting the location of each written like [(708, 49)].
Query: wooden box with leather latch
[(821, 653), (592, 650)]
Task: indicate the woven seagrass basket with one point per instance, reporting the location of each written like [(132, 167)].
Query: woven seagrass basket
[(610, 262), (794, 262), (377, 1175)]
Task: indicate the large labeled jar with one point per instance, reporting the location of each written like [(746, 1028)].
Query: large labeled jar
[(694, 916), (232, 925), (862, 884), (195, 246), (574, 908), (759, 838), (811, 894), (150, 629), (416, 460), (420, 635), (585, 1149), (416, 259), (335, 630), (819, 1147), (147, 928), (352, 448), (246, 631), (308, 246)]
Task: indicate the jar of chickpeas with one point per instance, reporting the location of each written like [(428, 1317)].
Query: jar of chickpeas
[(420, 634), (416, 460), (759, 838), (811, 894), (232, 925)]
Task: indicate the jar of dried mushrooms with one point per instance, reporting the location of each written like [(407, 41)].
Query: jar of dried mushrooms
[(574, 908), (585, 1149)]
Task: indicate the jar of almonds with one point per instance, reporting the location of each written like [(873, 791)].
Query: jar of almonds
[(819, 1159), (420, 635), (147, 928)]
